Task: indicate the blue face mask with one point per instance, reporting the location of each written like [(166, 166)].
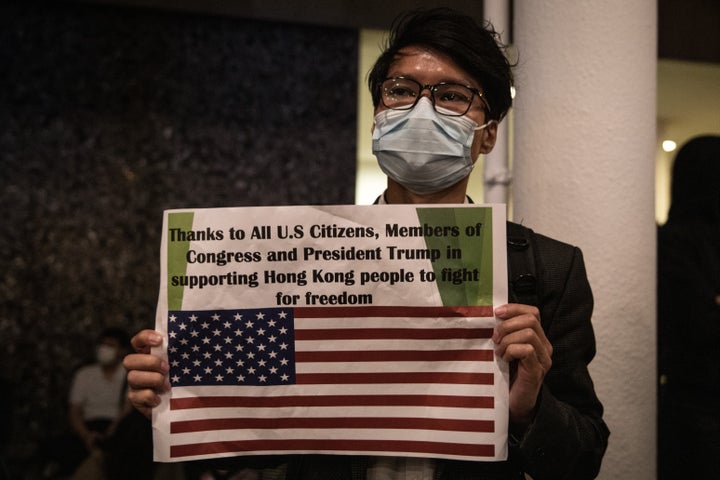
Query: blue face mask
[(422, 150)]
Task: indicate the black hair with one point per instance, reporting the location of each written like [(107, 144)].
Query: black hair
[(118, 334), (696, 181), (473, 47)]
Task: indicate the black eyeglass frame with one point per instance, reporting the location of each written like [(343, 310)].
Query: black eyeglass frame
[(433, 89)]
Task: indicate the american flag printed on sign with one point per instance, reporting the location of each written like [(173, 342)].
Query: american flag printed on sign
[(231, 347), (413, 381)]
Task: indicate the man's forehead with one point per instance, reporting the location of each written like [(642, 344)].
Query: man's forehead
[(427, 65)]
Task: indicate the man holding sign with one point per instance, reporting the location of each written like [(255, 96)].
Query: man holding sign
[(439, 89)]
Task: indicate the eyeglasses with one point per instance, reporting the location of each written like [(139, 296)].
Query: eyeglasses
[(452, 99)]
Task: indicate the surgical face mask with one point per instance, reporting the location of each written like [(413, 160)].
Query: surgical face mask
[(106, 355), (422, 150)]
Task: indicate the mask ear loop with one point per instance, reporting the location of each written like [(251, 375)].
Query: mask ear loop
[(484, 125)]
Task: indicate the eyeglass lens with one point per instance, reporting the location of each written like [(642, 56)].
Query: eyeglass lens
[(448, 98)]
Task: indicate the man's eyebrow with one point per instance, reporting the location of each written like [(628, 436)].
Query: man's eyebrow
[(459, 81)]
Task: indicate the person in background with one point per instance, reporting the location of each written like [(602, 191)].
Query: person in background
[(97, 403), (97, 390), (440, 88), (689, 316)]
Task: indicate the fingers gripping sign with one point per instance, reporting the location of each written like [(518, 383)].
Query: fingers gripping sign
[(521, 341), (147, 374)]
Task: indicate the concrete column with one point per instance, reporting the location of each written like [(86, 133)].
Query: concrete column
[(584, 173), (496, 167)]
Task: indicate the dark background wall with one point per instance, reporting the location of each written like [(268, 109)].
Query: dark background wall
[(110, 114)]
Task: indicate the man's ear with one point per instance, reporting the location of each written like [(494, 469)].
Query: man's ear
[(488, 137)]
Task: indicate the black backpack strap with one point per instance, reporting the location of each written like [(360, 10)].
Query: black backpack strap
[(523, 284)]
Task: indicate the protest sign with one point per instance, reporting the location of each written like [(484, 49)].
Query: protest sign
[(353, 330)]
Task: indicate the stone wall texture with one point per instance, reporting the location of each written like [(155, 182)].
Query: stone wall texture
[(110, 115)]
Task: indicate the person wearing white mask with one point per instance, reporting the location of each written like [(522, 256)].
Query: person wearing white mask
[(97, 395), (426, 136), (439, 89)]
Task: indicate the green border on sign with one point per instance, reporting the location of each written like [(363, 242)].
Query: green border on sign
[(469, 254), (177, 256)]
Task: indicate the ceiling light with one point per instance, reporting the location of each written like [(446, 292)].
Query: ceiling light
[(669, 145)]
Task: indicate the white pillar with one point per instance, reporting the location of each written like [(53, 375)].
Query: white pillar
[(496, 166), (584, 173)]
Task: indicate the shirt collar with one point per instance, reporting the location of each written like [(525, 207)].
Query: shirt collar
[(382, 201)]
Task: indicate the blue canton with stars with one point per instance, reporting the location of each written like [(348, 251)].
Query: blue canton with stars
[(231, 347)]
